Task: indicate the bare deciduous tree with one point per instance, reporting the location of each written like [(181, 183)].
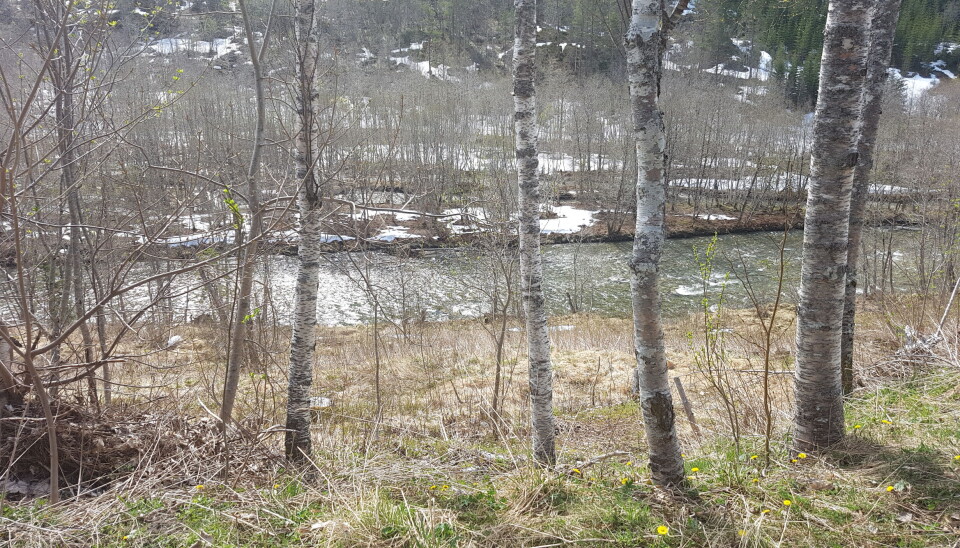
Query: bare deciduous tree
[(303, 344), (882, 28), (819, 392), (247, 256), (645, 43), (531, 267)]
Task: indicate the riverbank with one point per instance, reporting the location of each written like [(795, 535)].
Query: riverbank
[(402, 233)]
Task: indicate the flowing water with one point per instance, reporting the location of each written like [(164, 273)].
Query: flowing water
[(464, 283), (467, 283)]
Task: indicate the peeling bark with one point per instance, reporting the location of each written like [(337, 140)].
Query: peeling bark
[(297, 442), (645, 44), (531, 267), (819, 394)]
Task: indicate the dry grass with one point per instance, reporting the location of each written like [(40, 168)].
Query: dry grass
[(435, 469)]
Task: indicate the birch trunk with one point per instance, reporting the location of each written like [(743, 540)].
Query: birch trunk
[(645, 41), (531, 268), (297, 442), (882, 29), (819, 393)]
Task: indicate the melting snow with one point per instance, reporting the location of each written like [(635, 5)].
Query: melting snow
[(941, 67), (569, 220), (441, 72), (946, 47), (915, 85), (218, 48), (758, 73), (391, 233), (711, 216)]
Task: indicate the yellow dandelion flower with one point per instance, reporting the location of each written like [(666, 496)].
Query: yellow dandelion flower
[(125, 537), (624, 481), (765, 511), (857, 426), (756, 480), (801, 455), (885, 421), (200, 487), (276, 486), (690, 477), (629, 463), (754, 457), (445, 487), (663, 530), (793, 460), (694, 469), (787, 502), (741, 532), (576, 471), (889, 488), (956, 457), (433, 487)]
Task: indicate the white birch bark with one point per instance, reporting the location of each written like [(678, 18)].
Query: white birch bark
[(531, 267), (297, 442), (882, 28), (819, 394), (645, 43)]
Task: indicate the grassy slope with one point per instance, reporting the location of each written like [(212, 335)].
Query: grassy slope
[(895, 483)]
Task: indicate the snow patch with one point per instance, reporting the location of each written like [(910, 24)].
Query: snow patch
[(914, 86), (710, 216), (946, 48), (751, 73), (392, 233), (441, 72), (215, 49), (941, 67), (568, 221)]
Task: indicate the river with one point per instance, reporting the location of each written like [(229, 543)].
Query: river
[(590, 277)]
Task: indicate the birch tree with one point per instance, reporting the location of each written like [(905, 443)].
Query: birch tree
[(819, 415), (531, 268), (297, 443), (645, 43), (883, 26)]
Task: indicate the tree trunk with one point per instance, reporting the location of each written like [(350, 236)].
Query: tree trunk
[(297, 443), (531, 268), (882, 28), (645, 41), (819, 392), (248, 256)]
